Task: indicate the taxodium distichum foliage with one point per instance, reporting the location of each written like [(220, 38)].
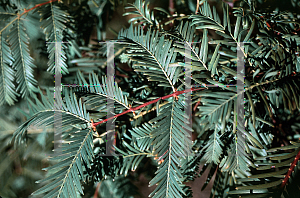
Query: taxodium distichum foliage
[(181, 85)]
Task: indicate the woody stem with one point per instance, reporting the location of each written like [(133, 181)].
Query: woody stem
[(176, 93)]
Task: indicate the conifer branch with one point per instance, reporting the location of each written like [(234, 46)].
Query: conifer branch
[(25, 11), (287, 176), (176, 93)]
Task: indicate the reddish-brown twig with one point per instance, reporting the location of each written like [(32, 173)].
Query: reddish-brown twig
[(25, 11), (171, 7), (38, 5), (175, 94), (197, 104), (197, 8), (287, 176), (97, 189)]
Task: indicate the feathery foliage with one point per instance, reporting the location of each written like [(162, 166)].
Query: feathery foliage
[(54, 22), (233, 108)]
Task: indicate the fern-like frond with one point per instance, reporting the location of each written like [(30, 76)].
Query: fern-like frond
[(23, 63), (7, 87), (138, 147), (152, 55), (66, 180), (213, 148), (217, 106), (237, 157), (6, 12), (131, 158), (211, 19), (187, 40), (275, 169), (142, 136), (54, 22), (141, 9), (208, 19), (171, 142), (99, 92), (77, 145), (42, 113)]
